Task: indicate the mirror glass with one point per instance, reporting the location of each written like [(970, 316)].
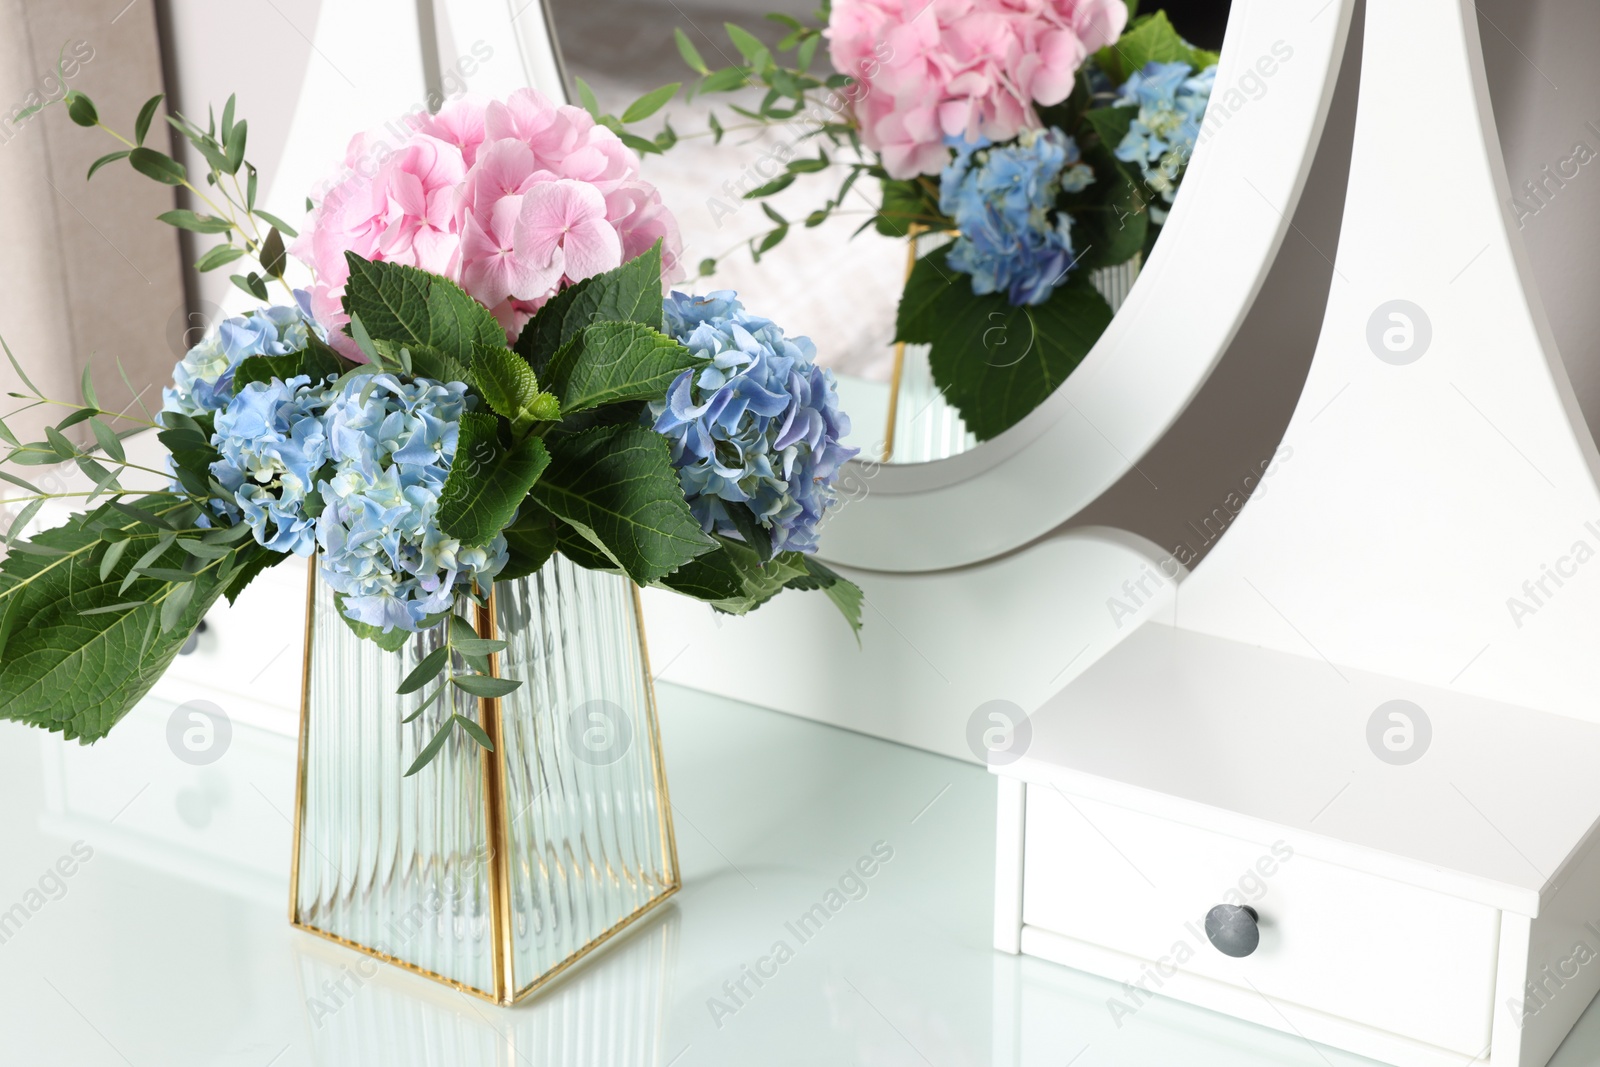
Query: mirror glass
[(1017, 251)]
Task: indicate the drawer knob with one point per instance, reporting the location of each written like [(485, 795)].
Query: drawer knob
[(193, 641), (1234, 930)]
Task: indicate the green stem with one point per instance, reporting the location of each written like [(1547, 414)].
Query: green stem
[(68, 557)]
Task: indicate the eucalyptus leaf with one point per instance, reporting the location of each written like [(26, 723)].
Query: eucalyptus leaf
[(483, 686), (217, 257), (272, 255), (109, 157), (188, 220), (476, 732), (152, 164), (141, 125), (81, 109), (690, 54), (108, 441), (425, 672), (273, 220), (432, 749), (650, 103)]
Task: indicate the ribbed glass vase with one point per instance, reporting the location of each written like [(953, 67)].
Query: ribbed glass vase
[(922, 424), (491, 872)]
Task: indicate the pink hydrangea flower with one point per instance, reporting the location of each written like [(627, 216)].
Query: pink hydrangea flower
[(511, 199), (927, 69)]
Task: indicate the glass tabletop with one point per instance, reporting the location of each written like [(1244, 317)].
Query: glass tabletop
[(836, 909)]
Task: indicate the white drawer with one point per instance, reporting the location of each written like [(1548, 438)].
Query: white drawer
[(1385, 955)]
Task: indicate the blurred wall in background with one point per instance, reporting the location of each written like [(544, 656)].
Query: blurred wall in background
[(87, 273)]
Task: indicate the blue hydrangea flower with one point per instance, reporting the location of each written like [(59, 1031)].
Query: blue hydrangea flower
[(760, 425), (202, 382), (390, 445), (1161, 138), (272, 444), (1002, 199)]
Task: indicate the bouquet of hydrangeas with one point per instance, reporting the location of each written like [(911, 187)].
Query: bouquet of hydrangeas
[(1032, 144), (482, 373)]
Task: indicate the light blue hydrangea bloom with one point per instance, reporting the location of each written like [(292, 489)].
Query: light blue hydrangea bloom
[(202, 382), (391, 445), (272, 444), (760, 425), (1012, 240), (1172, 104)]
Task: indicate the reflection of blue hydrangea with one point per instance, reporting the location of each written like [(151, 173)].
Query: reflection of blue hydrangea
[(1172, 104), (1002, 199), (202, 382), (391, 445), (272, 444), (760, 425)]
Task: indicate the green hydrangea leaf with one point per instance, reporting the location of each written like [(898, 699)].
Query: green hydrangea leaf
[(734, 579), (993, 360), (422, 311), (845, 594), (530, 542), (488, 479), (611, 362), (630, 293), (393, 641), (1149, 39), (510, 388), (78, 674), (1110, 218), (317, 361), (615, 485)]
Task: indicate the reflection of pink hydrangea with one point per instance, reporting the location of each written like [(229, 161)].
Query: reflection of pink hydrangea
[(512, 199), (927, 69)]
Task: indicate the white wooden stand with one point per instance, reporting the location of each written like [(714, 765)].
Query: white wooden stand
[(1375, 718)]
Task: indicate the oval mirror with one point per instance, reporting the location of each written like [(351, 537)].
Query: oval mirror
[(1052, 367)]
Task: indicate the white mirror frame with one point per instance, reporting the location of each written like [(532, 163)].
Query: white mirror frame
[(1238, 195)]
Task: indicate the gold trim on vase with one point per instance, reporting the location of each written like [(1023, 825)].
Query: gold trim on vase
[(912, 233), (496, 823)]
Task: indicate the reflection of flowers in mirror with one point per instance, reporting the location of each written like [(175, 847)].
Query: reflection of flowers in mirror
[(50, 87), (773, 163)]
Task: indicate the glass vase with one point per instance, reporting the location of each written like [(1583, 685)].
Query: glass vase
[(489, 871), (922, 425)]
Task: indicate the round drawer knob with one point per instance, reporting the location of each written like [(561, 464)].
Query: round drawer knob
[(1235, 931), (193, 641)]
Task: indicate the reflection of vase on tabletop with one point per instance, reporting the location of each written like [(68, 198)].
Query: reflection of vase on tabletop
[(357, 1010)]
